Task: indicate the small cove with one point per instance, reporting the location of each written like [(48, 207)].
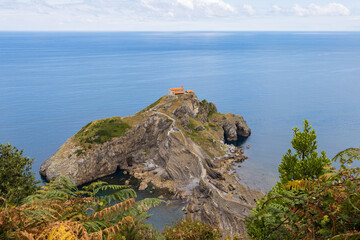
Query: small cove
[(165, 214)]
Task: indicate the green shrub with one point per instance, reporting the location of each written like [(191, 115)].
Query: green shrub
[(79, 152), (187, 230), (16, 179)]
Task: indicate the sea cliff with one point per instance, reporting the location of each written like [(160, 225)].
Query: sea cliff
[(177, 143)]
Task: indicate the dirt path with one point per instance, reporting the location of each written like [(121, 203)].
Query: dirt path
[(173, 125)]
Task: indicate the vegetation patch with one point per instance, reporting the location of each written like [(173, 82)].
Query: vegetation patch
[(101, 131), (203, 138), (209, 107), (79, 152), (312, 200), (146, 152), (152, 105), (191, 230), (212, 125)]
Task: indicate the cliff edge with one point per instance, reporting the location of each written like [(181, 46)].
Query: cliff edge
[(177, 143)]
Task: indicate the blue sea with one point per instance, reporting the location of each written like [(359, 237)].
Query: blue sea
[(53, 83)]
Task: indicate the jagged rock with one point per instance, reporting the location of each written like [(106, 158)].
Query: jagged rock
[(241, 127), (230, 131), (182, 111), (235, 127), (150, 165), (185, 121)]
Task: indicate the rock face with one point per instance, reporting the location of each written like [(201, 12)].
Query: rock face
[(234, 128), (176, 143)]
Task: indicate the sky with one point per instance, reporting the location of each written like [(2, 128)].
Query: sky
[(179, 15)]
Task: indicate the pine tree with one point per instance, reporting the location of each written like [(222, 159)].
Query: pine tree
[(305, 162)]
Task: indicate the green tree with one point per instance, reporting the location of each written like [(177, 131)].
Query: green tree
[(16, 180), (322, 208), (305, 162)]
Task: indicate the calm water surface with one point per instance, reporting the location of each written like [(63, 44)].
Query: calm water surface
[(52, 84)]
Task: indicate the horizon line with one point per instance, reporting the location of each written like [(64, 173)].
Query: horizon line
[(130, 31)]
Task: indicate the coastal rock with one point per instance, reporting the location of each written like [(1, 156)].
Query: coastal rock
[(143, 185), (230, 131), (242, 128), (235, 127), (156, 147)]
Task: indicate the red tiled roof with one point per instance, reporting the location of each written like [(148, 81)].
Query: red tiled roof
[(177, 89)]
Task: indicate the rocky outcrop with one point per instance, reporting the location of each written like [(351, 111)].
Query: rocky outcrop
[(122, 153), (235, 127), (176, 144)]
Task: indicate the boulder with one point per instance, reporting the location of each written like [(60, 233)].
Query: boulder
[(200, 128)]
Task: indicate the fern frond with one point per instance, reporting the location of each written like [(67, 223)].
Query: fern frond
[(112, 187), (346, 152), (115, 209), (61, 232), (65, 230), (147, 203), (141, 217), (112, 231), (94, 185), (347, 156), (95, 225), (121, 195)]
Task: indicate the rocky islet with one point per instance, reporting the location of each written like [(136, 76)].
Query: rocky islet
[(178, 144)]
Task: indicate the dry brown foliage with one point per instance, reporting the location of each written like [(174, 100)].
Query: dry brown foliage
[(49, 227), (120, 207)]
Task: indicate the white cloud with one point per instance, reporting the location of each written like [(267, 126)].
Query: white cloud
[(249, 9), (186, 9), (187, 3), (153, 14), (331, 9), (128, 9), (216, 3), (277, 9)]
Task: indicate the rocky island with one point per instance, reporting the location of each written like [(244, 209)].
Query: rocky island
[(178, 143)]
